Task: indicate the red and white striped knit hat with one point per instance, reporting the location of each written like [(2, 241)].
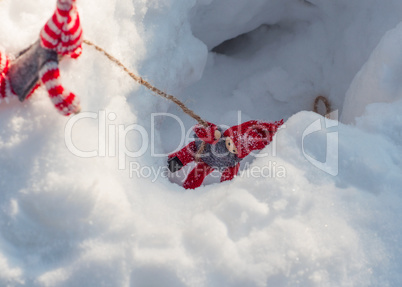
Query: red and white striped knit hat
[(5, 86), (63, 32)]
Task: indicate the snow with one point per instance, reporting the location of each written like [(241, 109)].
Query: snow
[(110, 215), (378, 80)]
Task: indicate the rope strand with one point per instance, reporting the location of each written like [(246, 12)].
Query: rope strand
[(146, 84), (326, 103)]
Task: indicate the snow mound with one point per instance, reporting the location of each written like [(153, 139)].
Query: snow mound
[(379, 80)]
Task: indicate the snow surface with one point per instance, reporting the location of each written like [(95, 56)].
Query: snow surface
[(67, 220)]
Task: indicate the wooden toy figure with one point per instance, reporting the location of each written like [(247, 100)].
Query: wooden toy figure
[(39, 64), (221, 153)]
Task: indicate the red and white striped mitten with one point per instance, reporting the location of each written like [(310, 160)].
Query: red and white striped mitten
[(5, 87)]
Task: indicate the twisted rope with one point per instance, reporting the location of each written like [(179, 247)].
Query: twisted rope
[(146, 84), (326, 102), (157, 91)]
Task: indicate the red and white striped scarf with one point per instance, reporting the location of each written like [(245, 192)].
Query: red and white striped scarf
[(64, 101), (63, 34), (5, 86)]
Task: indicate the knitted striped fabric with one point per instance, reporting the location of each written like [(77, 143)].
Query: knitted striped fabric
[(63, 32), (63, 35), (65, 102), (5, 87)]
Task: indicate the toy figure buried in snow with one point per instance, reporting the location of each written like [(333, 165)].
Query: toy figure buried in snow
[(222, 153), (39, 64)]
